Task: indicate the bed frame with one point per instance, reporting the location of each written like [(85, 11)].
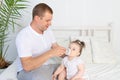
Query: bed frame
[(98, 31)]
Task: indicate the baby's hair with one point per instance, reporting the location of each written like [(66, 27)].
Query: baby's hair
[(80, 43)]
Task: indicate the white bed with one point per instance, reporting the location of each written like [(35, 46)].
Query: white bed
[(99, 56)]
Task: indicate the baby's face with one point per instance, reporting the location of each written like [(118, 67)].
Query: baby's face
[(75, 49)]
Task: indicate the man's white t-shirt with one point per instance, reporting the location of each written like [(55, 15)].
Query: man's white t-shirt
[(71, 66), (31, 43)]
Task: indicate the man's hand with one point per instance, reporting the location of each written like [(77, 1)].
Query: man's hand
[(58, 51)]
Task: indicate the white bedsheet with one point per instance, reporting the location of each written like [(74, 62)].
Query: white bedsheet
[(10, 73), (103, 71), (94, 71)]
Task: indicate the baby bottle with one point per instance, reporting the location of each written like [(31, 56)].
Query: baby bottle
[(68, 51)]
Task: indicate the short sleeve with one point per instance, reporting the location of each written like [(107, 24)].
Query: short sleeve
[(23, 47)]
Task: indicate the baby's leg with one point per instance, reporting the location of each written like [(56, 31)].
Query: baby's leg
[(62, 75)]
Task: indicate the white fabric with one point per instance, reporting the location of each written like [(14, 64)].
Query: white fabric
[(103, 71), (86, 55), (10, 73), (72, 66), (102, 51), (30, 43), (94, 71)]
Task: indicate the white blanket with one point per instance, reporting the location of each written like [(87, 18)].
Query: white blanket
[(103, 71), (94, 71)]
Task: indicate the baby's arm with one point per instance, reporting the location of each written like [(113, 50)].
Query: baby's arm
[(58, 71), (80, 73)]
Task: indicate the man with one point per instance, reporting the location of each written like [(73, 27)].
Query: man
[(36, 45)]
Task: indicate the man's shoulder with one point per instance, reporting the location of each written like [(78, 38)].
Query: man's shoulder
[(24, 29), (23, 32)]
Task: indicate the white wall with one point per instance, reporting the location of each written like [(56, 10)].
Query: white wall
[(76, 12), (116, 24), (80, 12)]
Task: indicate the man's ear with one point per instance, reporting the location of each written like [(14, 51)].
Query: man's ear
[(37, 18)]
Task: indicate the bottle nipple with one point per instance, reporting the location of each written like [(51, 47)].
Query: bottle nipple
[(68, 51)]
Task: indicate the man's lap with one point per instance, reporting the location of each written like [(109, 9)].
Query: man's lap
[(42, 73)]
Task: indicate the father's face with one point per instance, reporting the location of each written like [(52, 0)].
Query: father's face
[(45, 21)]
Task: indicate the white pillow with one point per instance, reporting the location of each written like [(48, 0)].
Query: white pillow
[(86, 55), (102, 51)]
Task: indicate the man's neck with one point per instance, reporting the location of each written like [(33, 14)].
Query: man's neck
[(35, 28)]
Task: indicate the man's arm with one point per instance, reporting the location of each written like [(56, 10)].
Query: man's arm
[(30, 63)]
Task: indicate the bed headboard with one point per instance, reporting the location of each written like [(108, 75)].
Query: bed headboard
[(97, 50), (97, 31)]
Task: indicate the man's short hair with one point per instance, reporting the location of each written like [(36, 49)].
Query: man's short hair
[(40, 9)]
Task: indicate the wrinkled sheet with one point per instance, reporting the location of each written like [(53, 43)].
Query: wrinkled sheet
[(103, 71), (94, 72)]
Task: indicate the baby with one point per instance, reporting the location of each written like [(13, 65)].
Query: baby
[(72, 67)]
